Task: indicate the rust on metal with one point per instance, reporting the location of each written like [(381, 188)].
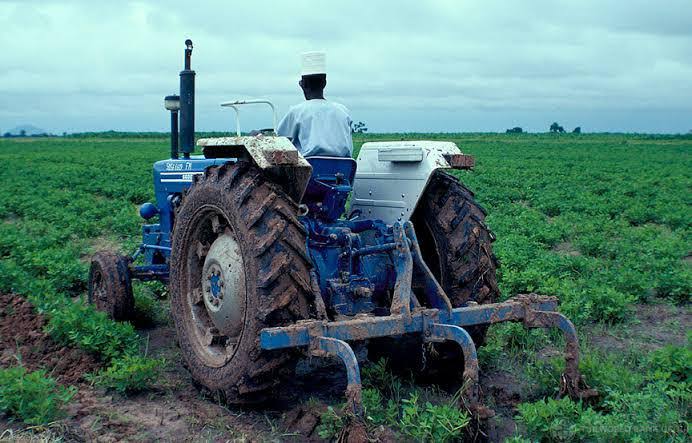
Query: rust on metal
[(401, 298), (460, 161), (572, 383)]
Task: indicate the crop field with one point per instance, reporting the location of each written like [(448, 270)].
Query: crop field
[(601, 221)]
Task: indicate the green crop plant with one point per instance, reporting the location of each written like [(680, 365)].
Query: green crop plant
[(129, 374), (32, 397), (599, 220), (411, 411)]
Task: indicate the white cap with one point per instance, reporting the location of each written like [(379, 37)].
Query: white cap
[(314, 62)]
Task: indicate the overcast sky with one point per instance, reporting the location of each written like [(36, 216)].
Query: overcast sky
[(398, 65)]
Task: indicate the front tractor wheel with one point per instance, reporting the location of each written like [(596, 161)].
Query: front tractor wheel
[(110, 286), (238, 265)]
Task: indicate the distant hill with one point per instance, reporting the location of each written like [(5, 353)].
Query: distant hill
[(28, 130)]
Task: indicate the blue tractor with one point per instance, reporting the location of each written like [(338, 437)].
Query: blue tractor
[(264, 262)]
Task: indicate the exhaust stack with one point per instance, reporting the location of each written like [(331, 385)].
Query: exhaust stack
[(187, 104)]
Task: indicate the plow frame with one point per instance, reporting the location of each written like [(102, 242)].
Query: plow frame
[(329, 339), (437, 324)]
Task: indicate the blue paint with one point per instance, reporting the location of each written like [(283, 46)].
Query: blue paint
[(215, 286), (171, 178), (329, 187), (148, 210)]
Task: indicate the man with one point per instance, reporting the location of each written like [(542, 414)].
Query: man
[(317, 126)]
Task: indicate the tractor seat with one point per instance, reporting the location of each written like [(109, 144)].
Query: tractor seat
[(329, 186), (333, 169)]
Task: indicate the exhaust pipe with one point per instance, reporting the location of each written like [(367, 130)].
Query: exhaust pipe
[(187, 104)]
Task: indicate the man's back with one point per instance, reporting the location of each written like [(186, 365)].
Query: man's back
[(318, 127)]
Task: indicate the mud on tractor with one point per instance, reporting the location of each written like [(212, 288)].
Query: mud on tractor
[(263, 265)]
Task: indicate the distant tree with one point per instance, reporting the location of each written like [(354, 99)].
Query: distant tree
[(358, 128), (22, 133), (514, 130), (555, 127), (577, 130), (7, 135)]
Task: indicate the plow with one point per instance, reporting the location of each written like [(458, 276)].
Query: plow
[(270, 256)]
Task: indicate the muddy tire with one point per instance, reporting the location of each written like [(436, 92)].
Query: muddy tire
[(263, 244), (457, 244), (110, 286)]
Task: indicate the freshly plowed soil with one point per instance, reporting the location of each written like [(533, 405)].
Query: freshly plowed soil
[(22, 341)]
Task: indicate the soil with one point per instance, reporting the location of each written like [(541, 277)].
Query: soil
[(654, 326), (175, 410), (22, 341)]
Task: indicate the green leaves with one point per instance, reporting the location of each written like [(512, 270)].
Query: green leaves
[(32, 397), (130, 374), (411, 411), (433, 423), (646, 402), (91, 330)]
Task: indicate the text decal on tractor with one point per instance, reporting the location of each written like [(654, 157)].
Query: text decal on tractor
[(261, 258)]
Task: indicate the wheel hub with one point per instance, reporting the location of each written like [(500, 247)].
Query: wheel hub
[(223, 285)]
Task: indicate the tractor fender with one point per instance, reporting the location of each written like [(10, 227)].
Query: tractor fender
[(392, 176), (275, 156)]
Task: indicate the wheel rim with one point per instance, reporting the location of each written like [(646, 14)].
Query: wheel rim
[(222, 283), (215, 287)]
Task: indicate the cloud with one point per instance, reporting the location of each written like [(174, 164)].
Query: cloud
[(398, 65)]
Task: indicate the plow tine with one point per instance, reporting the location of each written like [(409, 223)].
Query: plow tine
[(442, 332), (436, 295), (571, 383), (401, 298), (321, 346)]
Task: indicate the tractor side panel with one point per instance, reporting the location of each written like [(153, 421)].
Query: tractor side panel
[(173, 176), (392, 176)]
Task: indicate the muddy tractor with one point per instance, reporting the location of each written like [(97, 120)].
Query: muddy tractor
[(270, 256)]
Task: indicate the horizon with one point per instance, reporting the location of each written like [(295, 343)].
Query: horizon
[(231, 133)]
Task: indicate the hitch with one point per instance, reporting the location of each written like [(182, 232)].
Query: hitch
[(325, 338)]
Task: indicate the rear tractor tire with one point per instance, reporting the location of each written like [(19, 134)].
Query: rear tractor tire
[(238, 265), (456, 244), (110, 286)]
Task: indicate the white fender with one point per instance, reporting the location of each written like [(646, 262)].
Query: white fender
[(392, 176)]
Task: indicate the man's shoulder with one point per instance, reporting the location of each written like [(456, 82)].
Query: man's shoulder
[(309, 105), (341, 106)]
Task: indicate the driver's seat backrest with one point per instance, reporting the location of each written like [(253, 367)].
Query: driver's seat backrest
[(329, 186)]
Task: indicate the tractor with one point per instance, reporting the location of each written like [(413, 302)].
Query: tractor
[(265, 263)]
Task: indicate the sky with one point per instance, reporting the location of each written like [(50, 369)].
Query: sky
[(399, 66)]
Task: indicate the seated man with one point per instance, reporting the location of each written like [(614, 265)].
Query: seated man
[(317, 126)]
